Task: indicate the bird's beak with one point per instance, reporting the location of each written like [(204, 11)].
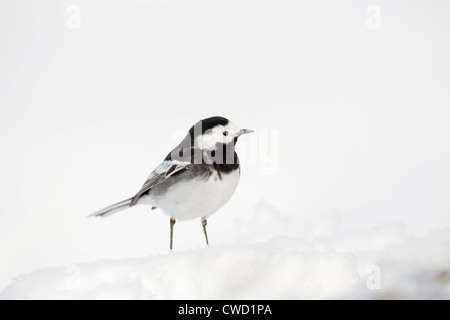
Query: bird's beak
[(243, 131)]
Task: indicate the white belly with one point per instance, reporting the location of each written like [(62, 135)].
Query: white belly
[(197, 198)]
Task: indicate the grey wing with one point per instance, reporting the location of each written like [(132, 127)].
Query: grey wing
[(164, 171)]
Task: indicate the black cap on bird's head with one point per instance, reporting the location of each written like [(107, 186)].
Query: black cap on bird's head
[(211, 135), (206, 133), (207, 124)]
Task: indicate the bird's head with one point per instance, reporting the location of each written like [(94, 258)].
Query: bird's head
[(209, 132)]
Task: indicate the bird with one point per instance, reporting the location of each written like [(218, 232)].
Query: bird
[(196, 178)]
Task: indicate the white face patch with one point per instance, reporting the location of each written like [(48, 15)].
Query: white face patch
[(218, 134)]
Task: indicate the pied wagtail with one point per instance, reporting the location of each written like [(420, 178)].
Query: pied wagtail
[(196, 178)]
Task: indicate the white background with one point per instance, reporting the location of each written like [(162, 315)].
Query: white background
[(351, 123)]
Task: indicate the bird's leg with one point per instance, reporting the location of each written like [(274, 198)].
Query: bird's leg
[(204, 223), (172, 223)]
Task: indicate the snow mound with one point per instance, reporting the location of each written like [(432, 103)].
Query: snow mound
[(282, 268), (273, 270)]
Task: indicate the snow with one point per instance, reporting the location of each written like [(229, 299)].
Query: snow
[(277, 269), (384, 263), (344, 183)]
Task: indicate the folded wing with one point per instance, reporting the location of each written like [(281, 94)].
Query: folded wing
[(163, 172)]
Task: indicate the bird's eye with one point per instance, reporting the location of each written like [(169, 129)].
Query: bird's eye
[(225, 133)]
